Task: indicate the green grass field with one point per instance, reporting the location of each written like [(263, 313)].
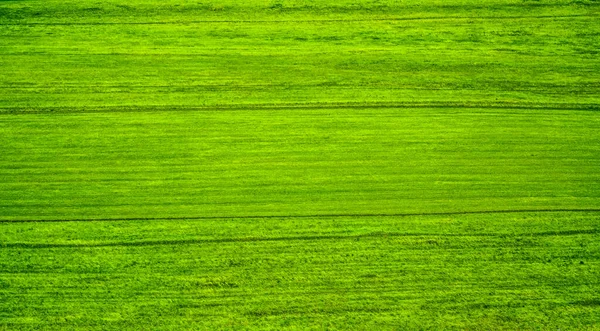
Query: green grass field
[(352, 165)]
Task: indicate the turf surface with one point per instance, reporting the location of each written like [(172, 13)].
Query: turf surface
[(85, 55), (299, 164), (500, 271)]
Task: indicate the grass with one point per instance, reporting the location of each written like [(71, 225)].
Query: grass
[(299, 164), (76, 55), (501, 271)]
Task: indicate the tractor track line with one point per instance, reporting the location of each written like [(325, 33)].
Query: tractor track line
[(188, 218), (386, 19), (291, 107), (287, 239)]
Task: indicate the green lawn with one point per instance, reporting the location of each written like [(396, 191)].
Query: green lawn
[(297, 162), (147, 54), (501, 271), (353, 165)]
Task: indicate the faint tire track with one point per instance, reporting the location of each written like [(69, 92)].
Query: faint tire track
[(295, 106), (125, 219), (285, 239), (382, 19)]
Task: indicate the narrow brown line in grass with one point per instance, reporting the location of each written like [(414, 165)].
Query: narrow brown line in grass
[(428, 18), (284, 239), (296, 106), (184, 218)]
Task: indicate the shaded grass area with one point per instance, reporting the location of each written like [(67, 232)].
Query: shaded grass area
[(522, 270), (303, 162)]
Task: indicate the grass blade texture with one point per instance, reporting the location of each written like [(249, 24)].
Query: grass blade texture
[(352, 165)]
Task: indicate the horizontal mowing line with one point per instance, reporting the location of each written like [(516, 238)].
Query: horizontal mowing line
[(291, 106), (284, 239), (429, 18), (229, 88), (188, 218)]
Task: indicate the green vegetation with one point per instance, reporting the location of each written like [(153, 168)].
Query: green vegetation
[(299, 164), (510, 271), (84, 55)]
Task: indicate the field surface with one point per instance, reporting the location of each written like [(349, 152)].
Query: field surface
[(297, 164)]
